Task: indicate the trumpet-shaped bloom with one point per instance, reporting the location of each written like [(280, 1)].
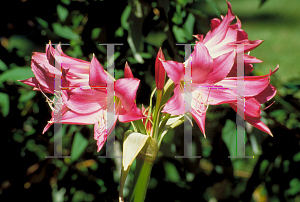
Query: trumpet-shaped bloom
[(84, 97), (222, 38), (211, 87)]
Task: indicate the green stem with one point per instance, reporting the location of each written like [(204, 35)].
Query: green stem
[(157, 113), (163, 123), (141, 179), (140, 126), (144, 163)]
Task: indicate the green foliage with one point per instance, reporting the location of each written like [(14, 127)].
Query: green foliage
[(78, 147), (229, 137), (142, 27), (62, 12), (4, 104)]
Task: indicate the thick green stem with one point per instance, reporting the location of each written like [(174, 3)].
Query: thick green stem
[(144, 163), (156, 116), (141, 179)]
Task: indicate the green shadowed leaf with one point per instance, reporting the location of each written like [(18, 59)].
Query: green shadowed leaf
[(42, 22), (16, 73), (26, 96), (132, 145), (229, 136), (171, 123), (171, 172), (96, 33), (4, 104), (262, 2), (3, 66), (214, 7), (136, 55), (189, 26), (76, 20), (79, 145), (62, 12), (64, 31), (125, 16), (295, 187), (179, 34)]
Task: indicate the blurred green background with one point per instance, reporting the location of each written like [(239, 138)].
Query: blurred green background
[(26, 26)]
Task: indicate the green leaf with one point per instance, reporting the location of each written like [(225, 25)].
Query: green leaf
[(136, 55), (3, 66), (76, 20), (172, 122), (22, 44), (119, 32), (79, 145), (95, 33), (262, 2), (229, 136), (132, 145), (125, 16), (171, 172), (296, 157), (26, 96), (62, 12), (42, 22), (64, 31), (295, 187), (4, 104), (16, 73), (179, 34), (214, 7), (67, 2), (189, 26)]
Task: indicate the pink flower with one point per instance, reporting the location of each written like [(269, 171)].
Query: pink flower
[(84, 94), (222, 37), (74, 71), (211, 87)]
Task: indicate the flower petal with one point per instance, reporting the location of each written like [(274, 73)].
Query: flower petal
[(201, 63), (125, 90), (66, 62), (219, 32), (223, 46), (252, 113), (266, 94), (98, 77), (221, 67), (175, 105), (199, 117), (86, 101), (101, 129), (132, 115), (253, 84), (214, 95), (175, 70)]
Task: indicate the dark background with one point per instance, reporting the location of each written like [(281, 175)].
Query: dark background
[(26, 26)]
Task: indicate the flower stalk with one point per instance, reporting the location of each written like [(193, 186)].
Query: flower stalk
[(144, 164)]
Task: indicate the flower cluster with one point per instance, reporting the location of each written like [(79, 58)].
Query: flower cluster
[(214, 70), (84, 97), (83, 92)]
